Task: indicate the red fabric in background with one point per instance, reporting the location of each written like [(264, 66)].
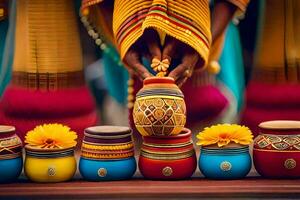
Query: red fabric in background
[(77, 123), (26, 109), (273, 95), (65, 102), (266, 102), (203, 102)]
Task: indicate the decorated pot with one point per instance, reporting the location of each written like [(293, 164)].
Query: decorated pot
[(159, 108), (11, 162), (107, 170), (107, 153), (225, 163), (49, 165), (168, 157), (276, 152)]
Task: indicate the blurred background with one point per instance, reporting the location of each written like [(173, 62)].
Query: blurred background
[(228, 103), (94, 70)]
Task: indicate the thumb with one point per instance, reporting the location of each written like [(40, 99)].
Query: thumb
[(153, 43), (169, 48)]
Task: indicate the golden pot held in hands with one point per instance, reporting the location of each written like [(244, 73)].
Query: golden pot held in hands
[(159, 108)]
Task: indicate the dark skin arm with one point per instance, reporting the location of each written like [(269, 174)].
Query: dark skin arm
[(148, 46), (222, 14), (173, 48)]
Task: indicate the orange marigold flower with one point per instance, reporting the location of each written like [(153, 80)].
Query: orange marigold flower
[(51, 136), (223, 134)]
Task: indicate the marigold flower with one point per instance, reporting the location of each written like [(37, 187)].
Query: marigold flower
[(223, 134), (51, 136)]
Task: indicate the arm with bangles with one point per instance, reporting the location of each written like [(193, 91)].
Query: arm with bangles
[(186, 49), (146, 46), (222, 14), (224, 11)]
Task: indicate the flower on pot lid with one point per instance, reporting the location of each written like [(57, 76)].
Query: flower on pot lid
[(51, 136), (225, 134)]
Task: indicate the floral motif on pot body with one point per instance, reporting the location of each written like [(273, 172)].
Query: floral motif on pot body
[(159, 108)]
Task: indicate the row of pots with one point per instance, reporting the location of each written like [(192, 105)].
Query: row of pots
[(108, 154)]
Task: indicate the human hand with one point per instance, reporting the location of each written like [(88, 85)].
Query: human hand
[(148, 46), (189, 59)]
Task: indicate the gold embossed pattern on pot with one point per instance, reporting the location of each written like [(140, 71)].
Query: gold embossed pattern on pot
[(159, 108)]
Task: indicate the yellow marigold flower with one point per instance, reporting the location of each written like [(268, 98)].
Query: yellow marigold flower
[(223, 134), (51, 136)]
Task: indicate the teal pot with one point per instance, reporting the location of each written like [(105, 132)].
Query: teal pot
[(10, 169), (11, 162), (225, 163), (107, 170)]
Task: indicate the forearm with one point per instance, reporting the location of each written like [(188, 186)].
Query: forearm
[(222, 14)]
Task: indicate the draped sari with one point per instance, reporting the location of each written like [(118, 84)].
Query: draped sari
[(47, 83), (273, 92), (189, 22)]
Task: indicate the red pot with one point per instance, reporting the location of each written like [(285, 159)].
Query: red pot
[(167, 169), (183, 137), (168, 157), (276, 152)]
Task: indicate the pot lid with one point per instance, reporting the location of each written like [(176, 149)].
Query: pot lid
[(7, 129), (154, 79), (108, 130), (280, 125)]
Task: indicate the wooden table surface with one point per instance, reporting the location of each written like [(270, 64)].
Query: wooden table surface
[(252, 187)]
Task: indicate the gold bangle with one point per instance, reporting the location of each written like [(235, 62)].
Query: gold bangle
[(109, 156), (11, 156), (166, 153), (107, 144), (107, 147), (108, 137), (167, 157), (11, 141), (161, 96), (107, 152), (168, 145)]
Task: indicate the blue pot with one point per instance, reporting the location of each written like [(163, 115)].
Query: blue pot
[(10, 169), (107, 170), (228, 163)]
